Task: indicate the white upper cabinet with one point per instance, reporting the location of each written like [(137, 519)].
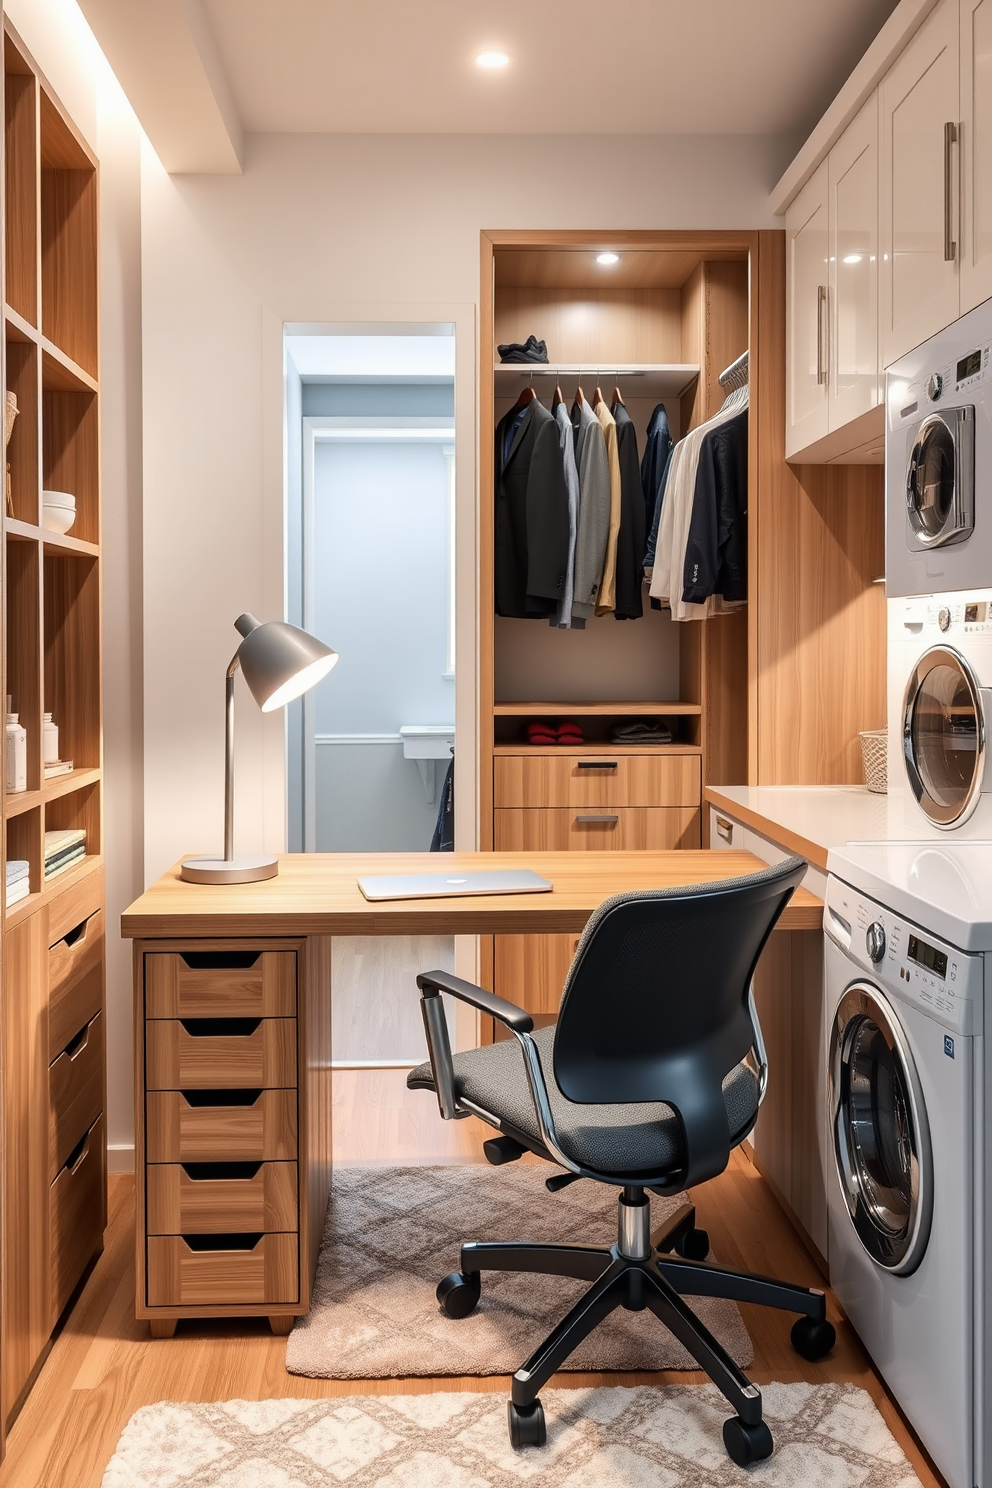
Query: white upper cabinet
[(976, 152), (852, 295), (807, 334), (918, 186)]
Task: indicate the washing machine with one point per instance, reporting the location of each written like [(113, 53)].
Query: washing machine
[(938, 461), (940, 716), (907, 931)]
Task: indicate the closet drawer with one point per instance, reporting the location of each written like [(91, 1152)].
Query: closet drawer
[(597, 780), (77, 1215), (235, 983), (230, 1126), (219, 1052), (75, 980), (212, 1197), (725, 833), (75, 1092), (237, 1269), (653, 829)]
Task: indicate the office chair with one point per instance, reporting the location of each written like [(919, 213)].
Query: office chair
[(653, 1071)]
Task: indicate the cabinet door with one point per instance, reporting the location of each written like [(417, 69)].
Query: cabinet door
[(976, 152), (806, 315), (852, 173), (918, 97)]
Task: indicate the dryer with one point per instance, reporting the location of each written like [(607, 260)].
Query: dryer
[(938, 461), (908, 931)]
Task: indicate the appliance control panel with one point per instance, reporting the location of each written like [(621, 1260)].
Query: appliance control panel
[(947, 615), (945, 382), (906, 960)]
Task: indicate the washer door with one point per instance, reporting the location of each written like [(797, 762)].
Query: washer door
[(880, 1130), (944, 736), (940, 480)]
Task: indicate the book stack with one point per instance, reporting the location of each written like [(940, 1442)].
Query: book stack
[(63, 850), (18, 886)]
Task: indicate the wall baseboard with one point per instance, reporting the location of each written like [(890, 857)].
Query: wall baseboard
[(120, 1157)]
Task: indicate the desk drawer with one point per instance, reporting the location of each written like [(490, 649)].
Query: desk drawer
[(220, 1052), (212, 1197), (75, 1092), (75, 981), (656, 829), (597, 780), (236, 983), (259, 1127), (77, 1215), (238, 1270)]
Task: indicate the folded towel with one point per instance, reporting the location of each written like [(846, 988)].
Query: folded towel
[(61, 864), (17, 868), (60, 841), (17, 891)]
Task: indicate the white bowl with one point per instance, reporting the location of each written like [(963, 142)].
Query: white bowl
[(58, 498), (57, 518)]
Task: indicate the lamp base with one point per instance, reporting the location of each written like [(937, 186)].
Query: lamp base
[(243, 868)]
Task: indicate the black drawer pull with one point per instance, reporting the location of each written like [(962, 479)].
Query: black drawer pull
[(596, 765), (220, 960), (76, 933), (221, 1027), (78, 1044), (221, 1097), (76, 1156), (243, 1240), (211, 1172)]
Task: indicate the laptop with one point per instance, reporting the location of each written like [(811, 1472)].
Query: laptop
[(453, 885)]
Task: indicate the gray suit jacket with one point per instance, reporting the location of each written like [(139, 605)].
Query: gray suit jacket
[(593, 527)]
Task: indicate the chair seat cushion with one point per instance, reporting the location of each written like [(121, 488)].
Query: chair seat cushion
[(633, 1139)]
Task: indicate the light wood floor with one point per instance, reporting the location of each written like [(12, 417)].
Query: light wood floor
[(104, 1366)]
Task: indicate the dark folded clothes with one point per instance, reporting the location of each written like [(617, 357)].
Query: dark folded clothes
[(641, 733), (530, 350)]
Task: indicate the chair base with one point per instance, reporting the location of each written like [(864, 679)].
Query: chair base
[(641, 1273)]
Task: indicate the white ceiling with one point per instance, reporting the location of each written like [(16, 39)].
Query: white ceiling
[(407, 66)]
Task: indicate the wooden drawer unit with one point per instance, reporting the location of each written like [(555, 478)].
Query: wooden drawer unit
[(234, 1126), (220, 984), (599, 780), (76, 1212), (75, 1091), (625, 828), (219, 1052), (75, 978), (221, 1197), (223, 1270)]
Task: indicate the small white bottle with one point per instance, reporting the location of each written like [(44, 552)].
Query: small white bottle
[(50, 738), (17, 753)]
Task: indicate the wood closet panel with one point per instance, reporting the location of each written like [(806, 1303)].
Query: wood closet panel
[(594, 325), (715, 332)]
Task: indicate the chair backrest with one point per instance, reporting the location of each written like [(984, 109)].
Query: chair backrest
[(655, 1004)]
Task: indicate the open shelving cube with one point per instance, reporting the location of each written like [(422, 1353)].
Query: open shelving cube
[(23, 672), (72, 654), (69, 298), (20, 174)]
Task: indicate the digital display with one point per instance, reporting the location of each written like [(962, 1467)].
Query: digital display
[(926, 956), (969, 365), (974, 614)]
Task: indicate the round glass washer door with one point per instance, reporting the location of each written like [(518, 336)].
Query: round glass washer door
[(930, 481), (881, 1136), (943, 736)]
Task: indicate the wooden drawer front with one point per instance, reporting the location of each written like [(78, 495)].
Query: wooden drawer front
[(179, 1276), (219, 1053), (212, 1197), (655, 829), (221, 984), (70, 908), (77, 1216), (75, 1092), (75, 981), (263, 1129), (599, 780), (531, 969)]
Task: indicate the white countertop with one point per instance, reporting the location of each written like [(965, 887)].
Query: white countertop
[(810, 819)]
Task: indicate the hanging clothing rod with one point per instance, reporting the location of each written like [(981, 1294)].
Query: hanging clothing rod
[(736, 375)]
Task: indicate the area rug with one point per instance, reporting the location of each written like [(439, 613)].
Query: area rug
[(826, 1436), (393, 1233)]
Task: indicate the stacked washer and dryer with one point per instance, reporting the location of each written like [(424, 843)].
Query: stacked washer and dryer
[(908, 932)]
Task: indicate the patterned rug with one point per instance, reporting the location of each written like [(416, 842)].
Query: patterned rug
[(826, 1436), (392, 1233)]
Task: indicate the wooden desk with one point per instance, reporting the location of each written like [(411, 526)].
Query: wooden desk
[(232, 1050)]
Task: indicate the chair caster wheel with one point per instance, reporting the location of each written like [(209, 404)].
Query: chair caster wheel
[(526, 1425), (459, 1293), (694, 1245), (812, 1338), (746, 1444)]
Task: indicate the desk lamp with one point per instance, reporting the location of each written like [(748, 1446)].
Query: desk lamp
[(279, 663)]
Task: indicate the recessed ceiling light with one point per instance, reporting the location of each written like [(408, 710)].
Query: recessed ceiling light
[(607, 258), (492, 61), (852, 258)]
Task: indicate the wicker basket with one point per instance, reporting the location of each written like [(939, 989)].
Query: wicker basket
[(874, 750)]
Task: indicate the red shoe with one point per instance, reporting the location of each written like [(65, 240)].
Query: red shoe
[(569, 733), (541, 733)]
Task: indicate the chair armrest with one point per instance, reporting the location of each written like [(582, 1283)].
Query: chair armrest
[(507, 1013)]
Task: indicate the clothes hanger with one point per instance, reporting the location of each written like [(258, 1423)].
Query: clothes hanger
[(617, 395), (526, 397), (559, 397), (580, 396), (597, 396)]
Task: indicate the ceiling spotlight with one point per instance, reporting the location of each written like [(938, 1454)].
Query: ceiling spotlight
[(607, 258), (492, 61)]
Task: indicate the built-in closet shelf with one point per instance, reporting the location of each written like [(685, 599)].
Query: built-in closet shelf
[(62, 881), (60, 374), (52, 790), (17, 328), (597, 710), (593, 750), (64, 541), (638, 380)]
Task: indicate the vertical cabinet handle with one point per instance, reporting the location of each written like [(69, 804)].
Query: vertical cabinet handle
[(821, 338), (950, 140)]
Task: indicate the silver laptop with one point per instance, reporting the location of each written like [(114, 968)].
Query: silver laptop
[(453, 885)]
